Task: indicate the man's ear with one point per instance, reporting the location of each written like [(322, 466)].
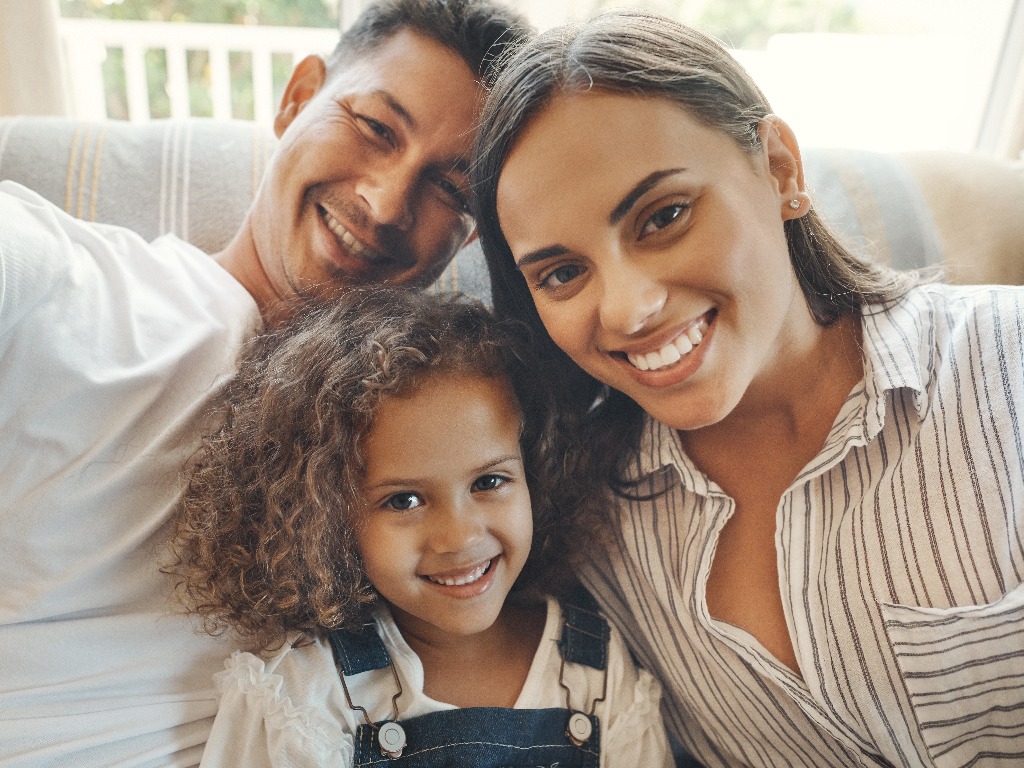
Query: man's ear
[(784, 164), (306, 80)]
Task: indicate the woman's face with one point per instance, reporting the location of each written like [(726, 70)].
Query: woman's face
[(654, 250)]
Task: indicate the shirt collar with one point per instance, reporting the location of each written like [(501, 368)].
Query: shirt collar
[(897, 352)]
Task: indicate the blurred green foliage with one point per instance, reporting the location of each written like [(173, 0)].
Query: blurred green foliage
[(284, 13), (738, 23), (748, 24)]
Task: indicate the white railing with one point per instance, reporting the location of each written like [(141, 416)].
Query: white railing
[(87, 42)]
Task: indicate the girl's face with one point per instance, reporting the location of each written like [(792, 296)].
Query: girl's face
[(654, 250), (448, 523)]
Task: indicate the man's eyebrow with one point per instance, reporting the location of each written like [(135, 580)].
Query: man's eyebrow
[(459, 165), (638, 191), (396, 106)]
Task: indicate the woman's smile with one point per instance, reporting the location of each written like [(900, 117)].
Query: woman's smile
[(679, 347)]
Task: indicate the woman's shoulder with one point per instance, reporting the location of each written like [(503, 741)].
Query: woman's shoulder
[(946, 298), (948, 317)]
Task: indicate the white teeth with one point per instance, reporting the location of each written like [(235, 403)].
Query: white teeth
[(356, 247), (672, 352), (469, 578), (684, 344)]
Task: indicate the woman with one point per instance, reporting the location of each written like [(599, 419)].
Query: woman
[(816, 462)]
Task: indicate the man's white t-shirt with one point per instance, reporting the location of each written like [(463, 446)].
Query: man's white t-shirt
[(111, 351)]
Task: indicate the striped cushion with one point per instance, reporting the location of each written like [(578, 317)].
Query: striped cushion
[(196, 178)]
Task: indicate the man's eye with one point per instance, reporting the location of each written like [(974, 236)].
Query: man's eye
[(378, 128), (662, 218), (560, 276), (489, 482), (458, 196), (403, 501)]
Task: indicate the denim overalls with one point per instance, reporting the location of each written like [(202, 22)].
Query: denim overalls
[(485, 737)]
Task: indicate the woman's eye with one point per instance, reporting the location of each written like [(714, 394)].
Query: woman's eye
[(489, 482), (403, 501), (662, 218), (560, 276)]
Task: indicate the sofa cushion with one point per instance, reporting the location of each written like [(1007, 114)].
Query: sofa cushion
[(196, 178)]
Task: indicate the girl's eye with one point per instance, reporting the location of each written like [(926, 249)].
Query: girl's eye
[(662, 218), (402, 502), (489, 482), (560, 276)]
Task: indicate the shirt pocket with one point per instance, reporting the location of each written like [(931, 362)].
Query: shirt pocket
[(963, 668)]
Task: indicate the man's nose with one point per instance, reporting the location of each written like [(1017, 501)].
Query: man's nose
[(388, 192)]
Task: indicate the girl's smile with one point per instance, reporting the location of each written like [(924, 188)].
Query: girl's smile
[(466, 582)]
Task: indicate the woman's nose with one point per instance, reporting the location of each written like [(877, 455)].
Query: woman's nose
[(630, 299)]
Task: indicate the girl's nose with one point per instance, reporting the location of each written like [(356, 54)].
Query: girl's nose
[(630, 299), (456, 529)]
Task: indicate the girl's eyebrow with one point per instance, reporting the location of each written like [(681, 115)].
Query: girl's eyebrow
[(618, 213), (500, 460), (406, 482)]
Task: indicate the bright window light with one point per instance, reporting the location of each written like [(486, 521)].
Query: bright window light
[(876, 74)]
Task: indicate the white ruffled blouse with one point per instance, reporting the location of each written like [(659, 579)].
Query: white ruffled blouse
[(288, 709)]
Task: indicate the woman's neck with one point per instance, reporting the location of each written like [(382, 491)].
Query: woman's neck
[(784, 417), (486, 669)]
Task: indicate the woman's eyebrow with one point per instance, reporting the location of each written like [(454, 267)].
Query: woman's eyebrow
[(540, 255), (638, 191), (618, 213)]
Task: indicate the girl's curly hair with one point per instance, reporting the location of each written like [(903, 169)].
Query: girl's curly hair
[(265, 540)]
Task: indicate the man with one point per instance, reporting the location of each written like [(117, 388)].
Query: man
[(112, 348)]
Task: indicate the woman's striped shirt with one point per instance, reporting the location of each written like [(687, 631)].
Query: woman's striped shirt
[(901, 550)]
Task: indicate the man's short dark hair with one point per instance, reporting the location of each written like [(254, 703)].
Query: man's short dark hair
[(479, 31)]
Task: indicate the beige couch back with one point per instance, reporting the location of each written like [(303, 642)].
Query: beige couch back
[(196, 178)]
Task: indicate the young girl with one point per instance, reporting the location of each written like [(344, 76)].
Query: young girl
[(818, 537), (364, 518)]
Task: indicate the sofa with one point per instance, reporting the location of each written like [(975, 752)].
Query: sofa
[(196, 177)]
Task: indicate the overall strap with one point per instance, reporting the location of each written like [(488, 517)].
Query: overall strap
[(359, 651), (585, 632)]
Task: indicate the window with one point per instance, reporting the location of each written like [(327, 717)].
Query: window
[(875, 74)]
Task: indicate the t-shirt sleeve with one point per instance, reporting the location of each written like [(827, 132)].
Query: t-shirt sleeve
[(634, 732), (34, 251)]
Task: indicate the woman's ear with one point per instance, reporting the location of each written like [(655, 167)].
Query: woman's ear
[(785, 165), (306, 80)]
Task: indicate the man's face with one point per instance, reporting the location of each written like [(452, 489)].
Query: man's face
[(369, 183)]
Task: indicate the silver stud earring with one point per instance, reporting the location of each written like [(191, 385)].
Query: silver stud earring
[(794, 203)]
